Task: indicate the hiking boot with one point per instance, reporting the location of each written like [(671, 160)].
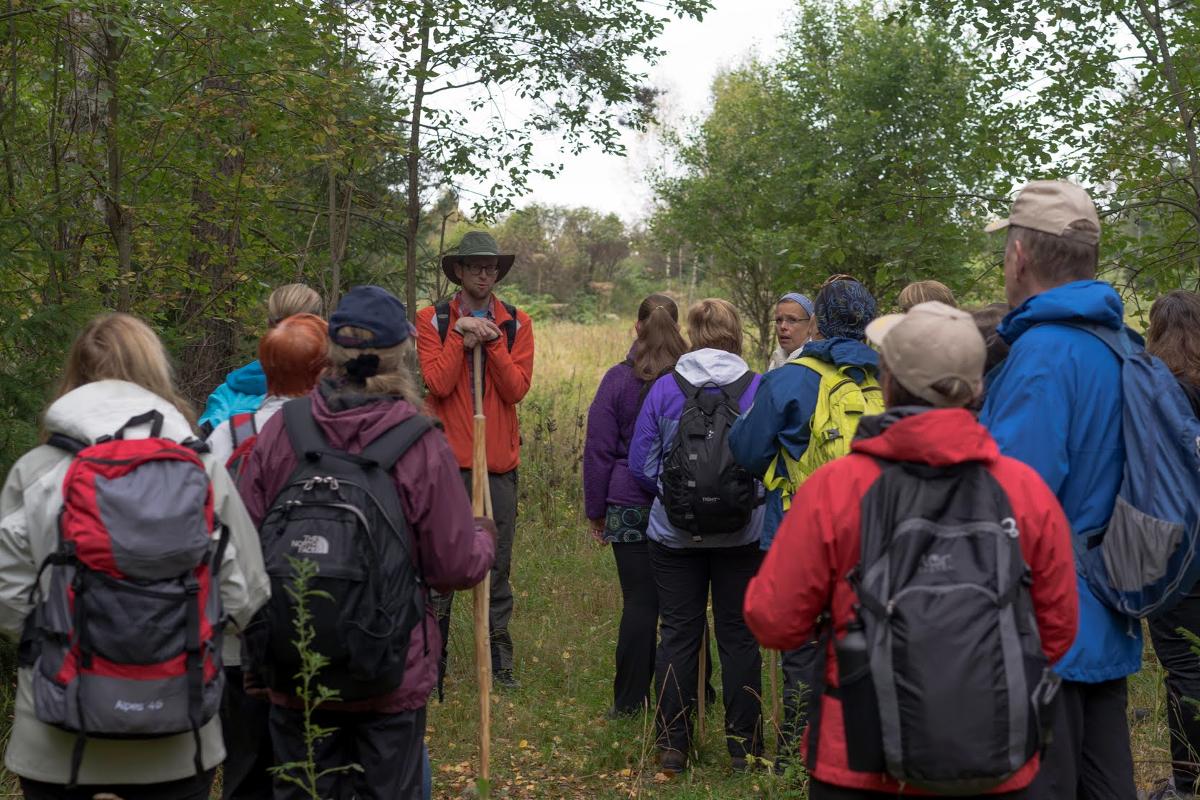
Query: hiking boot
[(615, 713), (504, 679), (1165, 790), (672, 762), (750, 764)]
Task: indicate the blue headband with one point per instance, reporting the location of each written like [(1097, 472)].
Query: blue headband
[(800, 299)]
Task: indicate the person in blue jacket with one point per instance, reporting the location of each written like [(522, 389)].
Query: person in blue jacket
[(781, 418), (1056, 404), (245, 388)]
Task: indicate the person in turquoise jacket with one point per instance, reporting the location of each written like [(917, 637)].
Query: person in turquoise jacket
[(245, 388), (1055, 403)]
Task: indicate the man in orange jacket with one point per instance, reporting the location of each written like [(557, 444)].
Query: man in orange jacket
[(447, 333)]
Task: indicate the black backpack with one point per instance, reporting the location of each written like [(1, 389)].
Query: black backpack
[(704, 491), (343, 512), (943, 682), (442, 315)]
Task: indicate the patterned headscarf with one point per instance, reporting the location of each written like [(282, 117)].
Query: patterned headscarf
[(844, 308)]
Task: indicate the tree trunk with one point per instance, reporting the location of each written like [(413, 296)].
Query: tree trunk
[(116, 216), (414, 162)]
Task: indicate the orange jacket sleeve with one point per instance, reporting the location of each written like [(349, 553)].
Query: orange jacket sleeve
[(511, 373), (795, 582), (441, 363)]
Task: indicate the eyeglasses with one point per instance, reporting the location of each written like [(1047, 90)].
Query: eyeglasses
[(785, 320), (479, 269)]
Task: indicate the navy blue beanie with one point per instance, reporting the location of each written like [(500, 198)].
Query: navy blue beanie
[(844, 308), (374, 309)]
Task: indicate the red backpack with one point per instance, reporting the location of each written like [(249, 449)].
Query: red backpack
[(243, 432), (127, 641)]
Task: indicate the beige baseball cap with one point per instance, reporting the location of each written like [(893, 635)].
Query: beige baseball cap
[(1059, 208), (931, 343)]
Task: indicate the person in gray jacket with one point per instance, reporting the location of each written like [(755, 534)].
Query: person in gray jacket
[(117, 370)]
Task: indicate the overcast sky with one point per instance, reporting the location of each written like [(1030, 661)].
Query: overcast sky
[(695, 52)]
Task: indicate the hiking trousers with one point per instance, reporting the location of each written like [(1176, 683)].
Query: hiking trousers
[(1182, 666), (637, 637), (504, 506), (245, 725), (1090, 757), (684, 577), (388, 747), (798, 667)]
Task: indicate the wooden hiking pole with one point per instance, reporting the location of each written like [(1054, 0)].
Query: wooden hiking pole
[(481, 502)]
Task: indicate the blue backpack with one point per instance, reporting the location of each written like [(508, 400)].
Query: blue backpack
[(1145, 561)]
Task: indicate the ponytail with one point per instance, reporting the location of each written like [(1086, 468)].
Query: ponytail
[(659, 343)]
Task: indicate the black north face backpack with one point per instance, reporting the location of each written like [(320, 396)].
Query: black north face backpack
[(342, 512), (943, 681), (704, 491)]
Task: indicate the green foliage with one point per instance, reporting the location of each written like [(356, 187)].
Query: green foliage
[(306, 774), (867, 147), (1106, 92)]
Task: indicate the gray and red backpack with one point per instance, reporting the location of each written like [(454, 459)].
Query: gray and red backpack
[(243, 433), (126, 642)]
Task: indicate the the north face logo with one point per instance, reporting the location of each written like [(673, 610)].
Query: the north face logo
[(932, 562), (311, 545)]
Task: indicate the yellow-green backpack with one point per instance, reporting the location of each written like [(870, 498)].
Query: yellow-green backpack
[(841, 403)]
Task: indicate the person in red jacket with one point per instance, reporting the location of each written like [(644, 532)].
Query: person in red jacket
[(932, 372), (447, 334)]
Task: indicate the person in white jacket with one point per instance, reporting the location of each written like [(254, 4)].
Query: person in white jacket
[(117, 370)]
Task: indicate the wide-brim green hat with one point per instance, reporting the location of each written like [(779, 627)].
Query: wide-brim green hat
[(477, 243)]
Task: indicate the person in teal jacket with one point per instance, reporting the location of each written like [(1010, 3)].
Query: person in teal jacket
[(1055, 403), (245, 388)]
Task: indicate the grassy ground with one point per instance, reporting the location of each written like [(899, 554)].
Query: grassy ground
[(550, 738)]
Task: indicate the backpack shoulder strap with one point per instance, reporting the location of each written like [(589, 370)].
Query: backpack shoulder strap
[(510, 327), (690, 392), (735, 390), (307, 440), (241, 427), (70, 444), (389, 448), (1123, 343), (441, 313)]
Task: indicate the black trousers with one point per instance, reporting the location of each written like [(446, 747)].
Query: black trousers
[(387, 747), (1183, 687), (683, 577), (798, 667), (819, 790), (246, 726), (196, 787), (504, 507), (1090, 757), (637, 636)]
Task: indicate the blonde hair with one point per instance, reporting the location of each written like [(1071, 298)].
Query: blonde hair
[(123, 348), (394, 375), (290, 299), (715, 323), (923, 292)]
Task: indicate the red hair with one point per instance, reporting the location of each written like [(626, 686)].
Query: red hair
[(294, 354)]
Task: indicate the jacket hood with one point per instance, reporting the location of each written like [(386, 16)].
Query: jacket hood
[(843, 352), (709, 366), (1091, 301), (249, 379), (938, 437), (351, 421), (100, 408)]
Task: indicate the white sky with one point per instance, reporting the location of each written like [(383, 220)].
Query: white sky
[(695, 53)]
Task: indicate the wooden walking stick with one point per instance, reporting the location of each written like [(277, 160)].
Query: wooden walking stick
[(481, 497), (773, 668), (701, 682)]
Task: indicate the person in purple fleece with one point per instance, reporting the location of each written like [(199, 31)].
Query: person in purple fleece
[(617, 507), (686, 566)]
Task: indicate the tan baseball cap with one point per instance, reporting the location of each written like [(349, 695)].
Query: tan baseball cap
[(1059, 208), (931, 343)]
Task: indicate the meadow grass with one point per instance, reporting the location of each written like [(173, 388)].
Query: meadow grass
[(550, 738)]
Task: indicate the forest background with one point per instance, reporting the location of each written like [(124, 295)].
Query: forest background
[(178, 161)]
